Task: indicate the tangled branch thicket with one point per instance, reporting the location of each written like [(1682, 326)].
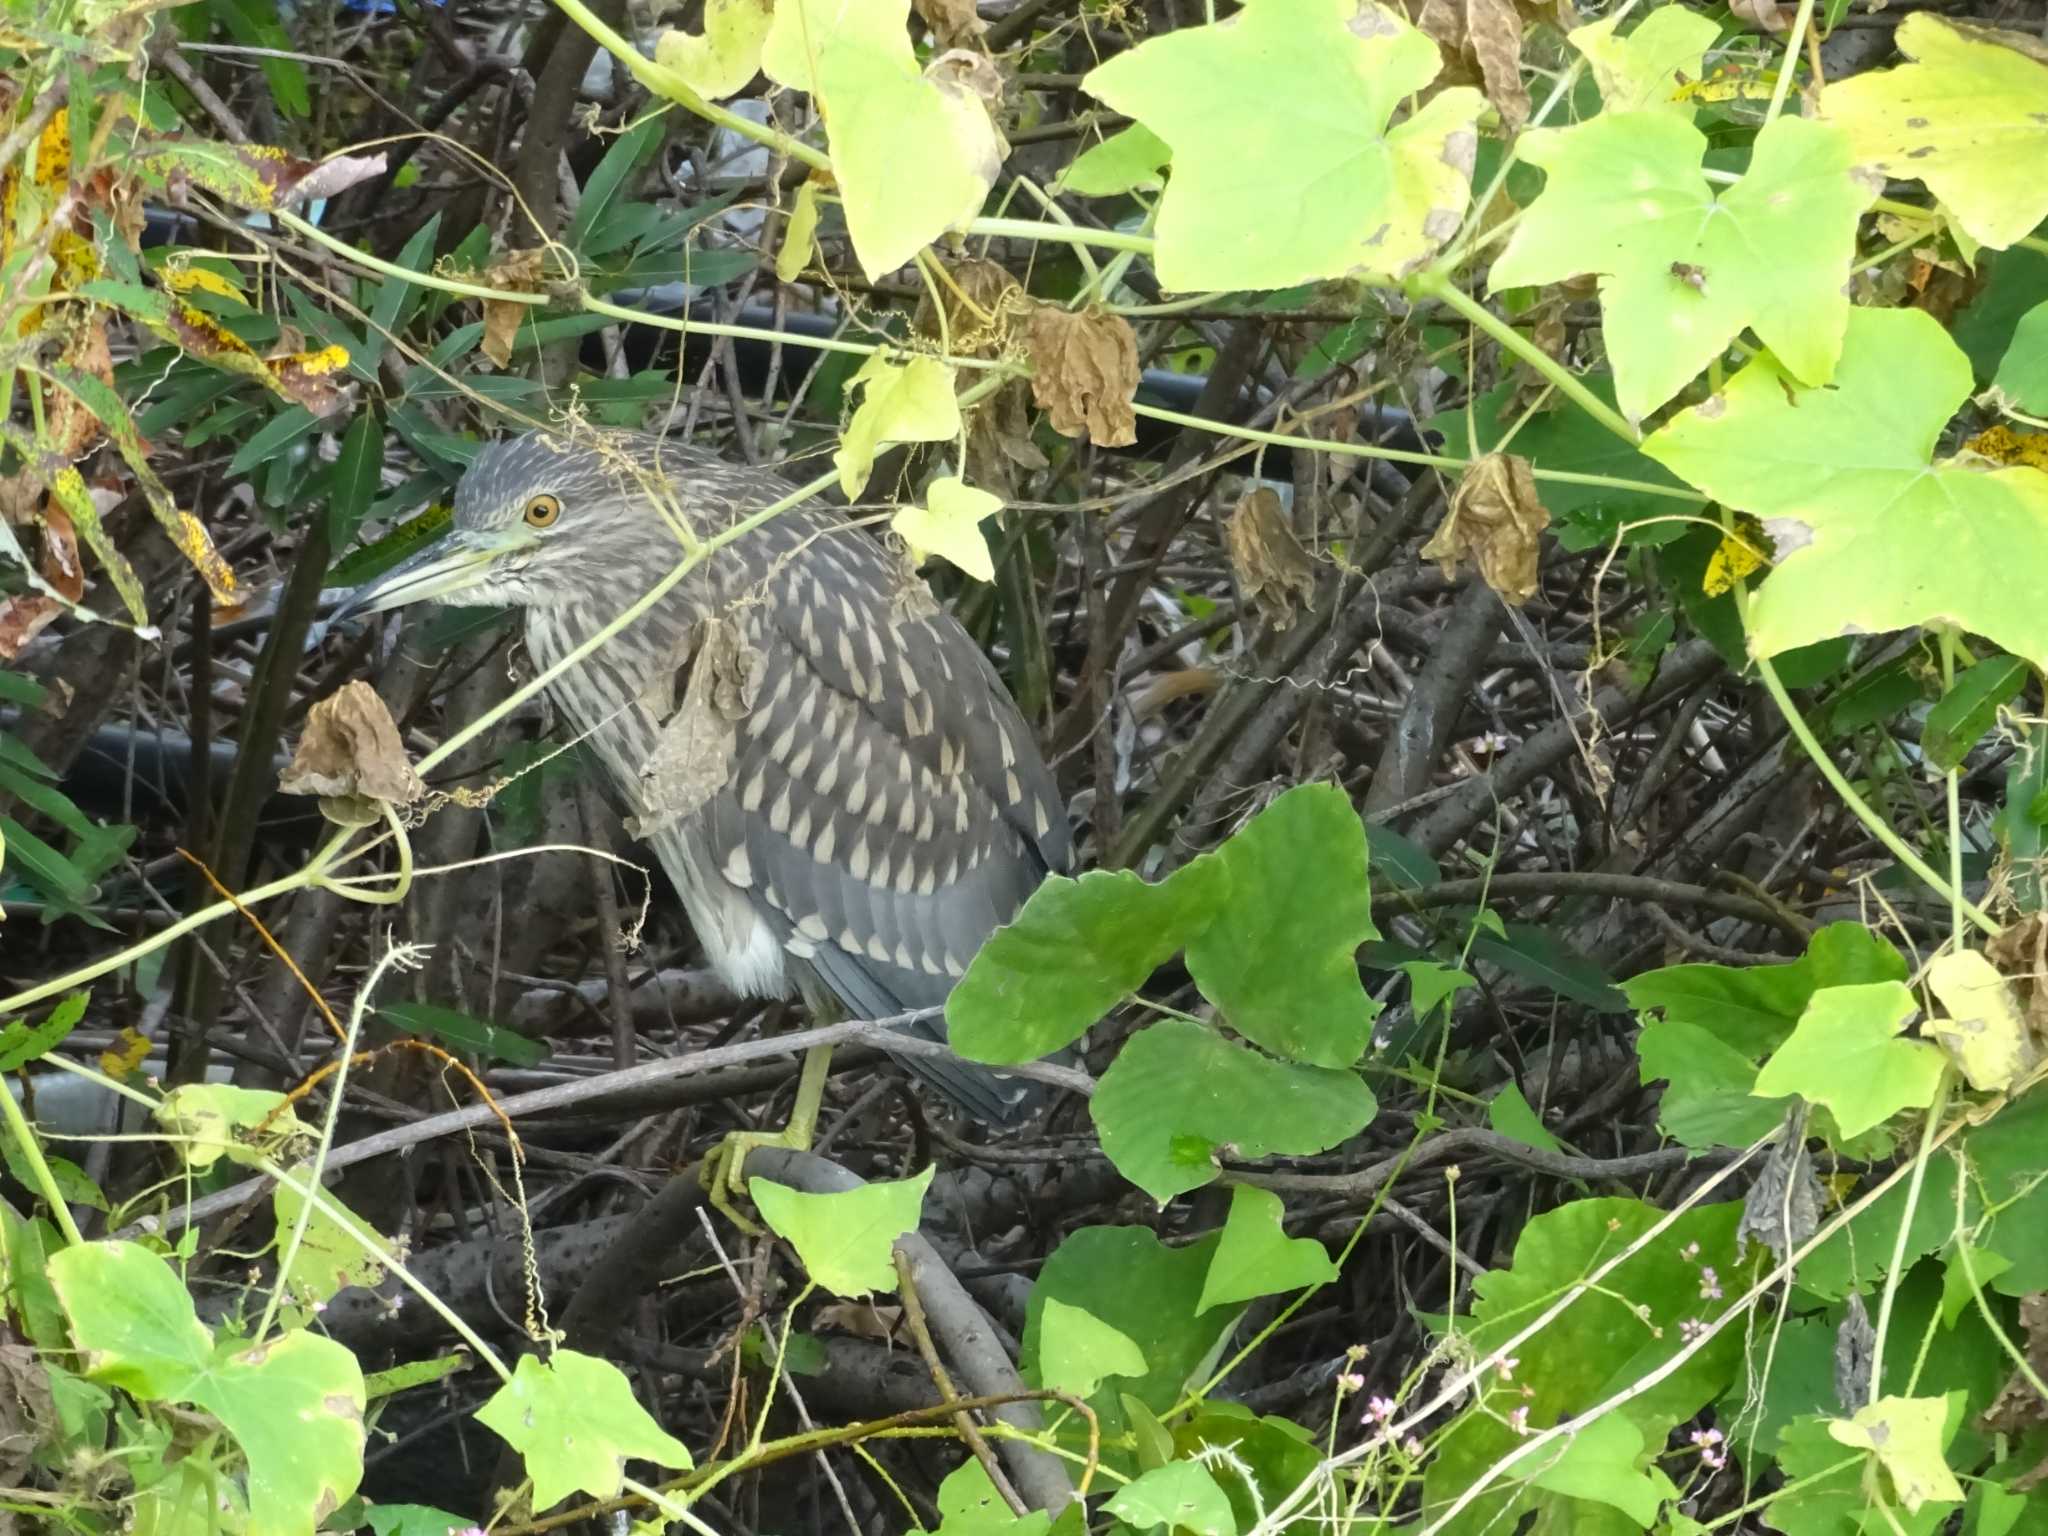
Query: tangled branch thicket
[(1250, 542)]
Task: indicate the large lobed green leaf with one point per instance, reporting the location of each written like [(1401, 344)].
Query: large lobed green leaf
[(1683, 268), (1178, 1092), (294, 1403), (1282, 962), (1284, 167), (1871, 533), (1076, 950)]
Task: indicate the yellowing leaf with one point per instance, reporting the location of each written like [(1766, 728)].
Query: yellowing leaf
[(2002, 445), (1284, 168), (1969, 116), (1871, 535), (914, 155), (1683, 266), (1647, 70), (908, 401), (184, 279), (726, 55), (1737, 556), (1905, 1434), (801, 238), (949, 526), (1984, 1034), (129, 1051), (216, 1120)]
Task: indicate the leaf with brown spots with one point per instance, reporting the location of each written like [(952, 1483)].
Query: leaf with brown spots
[(309, 380), (254, 176), (73, 427), (69, 492), (349, 752), (1495, 522), (1273, 571), (516, 272), (1084, 373)]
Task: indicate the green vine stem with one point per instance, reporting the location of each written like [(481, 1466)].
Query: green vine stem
[(1435, 283), (32, 1153), (1864, 812)]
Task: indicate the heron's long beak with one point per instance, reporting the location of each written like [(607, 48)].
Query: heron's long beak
[(441, 573)]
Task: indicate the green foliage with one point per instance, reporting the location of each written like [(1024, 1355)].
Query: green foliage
[(1254, 1257), (1079, 947), (1683, 268), (573, 1417), (1617, 1334), (1277, 166), (1873, 534), (1178, 1091), (1844, 1053), (1293, 174), (846, 1239), (1717, 1022), (294, 1404)]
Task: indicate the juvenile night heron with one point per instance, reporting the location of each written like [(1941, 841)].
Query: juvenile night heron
[(823, 760)]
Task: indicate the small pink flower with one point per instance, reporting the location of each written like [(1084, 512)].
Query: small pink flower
[(1518, 1421), (1413, 1447), (1692, 1329), (1708, 1442), (1710, 1283), (1506, 1366), (1350, 1381), (1379, 1409)]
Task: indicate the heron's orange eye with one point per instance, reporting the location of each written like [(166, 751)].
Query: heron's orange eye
[(542, 511)]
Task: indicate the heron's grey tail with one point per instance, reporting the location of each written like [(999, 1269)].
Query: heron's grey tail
[(850, 987)]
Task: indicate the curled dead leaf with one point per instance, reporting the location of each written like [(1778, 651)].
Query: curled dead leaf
[(1496, 521), (22, 617), (1481, 44), (349, 754), (2018, 1407), (692, 758), (1275, 573), (1084, 373), (2020, 951), (953, 23), (516, 272)]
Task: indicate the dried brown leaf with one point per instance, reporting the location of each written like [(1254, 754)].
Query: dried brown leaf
[(861, 1319), (2021, 952), (22, 617), (953, 23), (1496, 521), (516, 272), (1085, 373), (692, 758), (349, 750), (1481, 44), (1274, 572), (2018, 1407), (62, 568)]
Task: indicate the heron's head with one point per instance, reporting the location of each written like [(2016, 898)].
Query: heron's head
[(542, 521)]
